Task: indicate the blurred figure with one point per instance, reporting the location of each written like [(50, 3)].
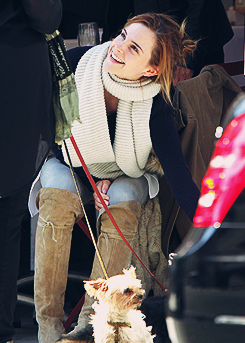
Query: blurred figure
[(80, 11), (26, 130), (206, 21)]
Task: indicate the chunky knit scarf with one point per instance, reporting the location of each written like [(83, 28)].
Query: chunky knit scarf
[(132, 143)]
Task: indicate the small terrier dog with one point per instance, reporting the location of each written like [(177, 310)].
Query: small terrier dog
[(119, 298), (116, 317)]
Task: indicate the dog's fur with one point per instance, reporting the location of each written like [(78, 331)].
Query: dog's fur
[(116, 317), (118, 300)]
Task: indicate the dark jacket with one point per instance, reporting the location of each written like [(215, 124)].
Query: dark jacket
[(200, 105), (26, 106)]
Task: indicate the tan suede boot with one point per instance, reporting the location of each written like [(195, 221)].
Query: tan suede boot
[(115, 253), (58, 212)]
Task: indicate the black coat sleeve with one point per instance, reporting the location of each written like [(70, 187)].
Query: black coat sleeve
[(166, 144), (43, 16), (75, 55)]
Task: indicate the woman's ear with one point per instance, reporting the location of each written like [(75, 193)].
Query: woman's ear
[(96, 288), (152, 71)]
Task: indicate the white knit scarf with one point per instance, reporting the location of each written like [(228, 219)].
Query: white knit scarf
[(132, 143)]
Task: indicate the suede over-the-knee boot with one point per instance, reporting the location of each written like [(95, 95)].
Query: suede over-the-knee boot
[(115, 253), (58, 211)]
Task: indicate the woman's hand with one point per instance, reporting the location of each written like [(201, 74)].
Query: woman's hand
[(103, 187)]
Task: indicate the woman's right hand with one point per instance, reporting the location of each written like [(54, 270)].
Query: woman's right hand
[(102, 187)]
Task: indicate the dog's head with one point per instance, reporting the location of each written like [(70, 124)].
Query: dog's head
[(122, 291)]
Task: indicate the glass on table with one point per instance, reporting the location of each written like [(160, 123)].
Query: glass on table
[(88, 34)]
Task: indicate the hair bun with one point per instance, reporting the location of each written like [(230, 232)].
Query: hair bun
[(188, 46)]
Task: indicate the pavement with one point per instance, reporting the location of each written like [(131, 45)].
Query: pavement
[(25, 318), (28, 330)]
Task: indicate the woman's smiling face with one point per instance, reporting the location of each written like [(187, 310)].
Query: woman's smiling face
[(130, 53)]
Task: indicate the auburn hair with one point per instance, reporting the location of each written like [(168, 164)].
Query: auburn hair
[(171, 48)]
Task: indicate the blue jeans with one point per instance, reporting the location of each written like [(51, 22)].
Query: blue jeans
[(56, 175), (12, 210)]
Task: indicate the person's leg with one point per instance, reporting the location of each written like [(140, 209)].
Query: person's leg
[(128, 189), (59, 209), (56, 175), (127, 195), (12, 210)]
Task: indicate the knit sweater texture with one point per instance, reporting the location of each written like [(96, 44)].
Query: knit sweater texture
[(132, 145)]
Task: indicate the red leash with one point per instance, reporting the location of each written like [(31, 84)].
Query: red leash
[(107, 209), (74, 313), (79, 305)]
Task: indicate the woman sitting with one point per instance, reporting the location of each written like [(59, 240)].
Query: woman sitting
[(126, 118)]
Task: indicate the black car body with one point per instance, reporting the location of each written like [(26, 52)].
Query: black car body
[(206, 295)]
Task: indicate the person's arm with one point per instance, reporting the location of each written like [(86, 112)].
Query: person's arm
[(43, 16), (166, 144)]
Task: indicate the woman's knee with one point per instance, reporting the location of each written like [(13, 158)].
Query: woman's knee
[(128, 189), (56, 175)]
